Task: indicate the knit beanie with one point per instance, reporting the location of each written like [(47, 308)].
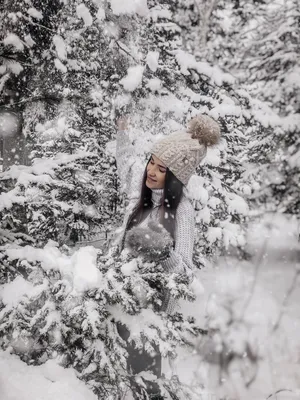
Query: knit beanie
[(183, 151)]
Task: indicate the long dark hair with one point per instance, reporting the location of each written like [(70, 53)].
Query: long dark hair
[(172, 195)]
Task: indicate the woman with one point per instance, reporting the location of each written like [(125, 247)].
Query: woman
[(161, 207)]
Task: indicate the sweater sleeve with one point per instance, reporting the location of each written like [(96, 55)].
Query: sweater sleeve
[(130, 169), (180, 259)]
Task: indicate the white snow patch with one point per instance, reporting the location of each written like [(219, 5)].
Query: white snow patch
[(152, 60), (139, 7), (28, 39), (187, 61), (33, 12), (15, 67), (100, 14), (203, 215), (60, 66), (130, 267), (13, 40), (196, 191), (80, 269), (232, 234), (84, 13), (158, 12), (294, 160), (213, 157), (236, 204), (11, 293), (154, 84), (213, 234), (60, 47), (86, 275), (133, 78), (48, 381), (213, 202)]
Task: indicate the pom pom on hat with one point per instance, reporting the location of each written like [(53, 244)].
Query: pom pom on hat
[(205, 129)]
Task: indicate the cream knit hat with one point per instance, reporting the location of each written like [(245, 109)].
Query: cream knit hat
[(183, 151)]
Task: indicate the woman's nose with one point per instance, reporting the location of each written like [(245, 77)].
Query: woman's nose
[(151, 171)]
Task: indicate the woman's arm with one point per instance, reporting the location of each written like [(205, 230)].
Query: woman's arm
[(128, 165), (180, 259)]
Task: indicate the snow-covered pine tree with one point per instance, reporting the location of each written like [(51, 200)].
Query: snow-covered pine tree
[(272, 74), (57, 195), (67, 308), (70, 114)]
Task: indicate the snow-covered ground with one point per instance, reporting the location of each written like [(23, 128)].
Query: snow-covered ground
[(257, 291), (265, 290), (49, 381)]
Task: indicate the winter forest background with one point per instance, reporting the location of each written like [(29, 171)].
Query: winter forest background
[(67, 67)]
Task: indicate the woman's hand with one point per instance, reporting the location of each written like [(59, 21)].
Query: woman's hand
[(122, 123)]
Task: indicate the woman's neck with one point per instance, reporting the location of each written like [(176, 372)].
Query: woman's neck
[(157, 195)]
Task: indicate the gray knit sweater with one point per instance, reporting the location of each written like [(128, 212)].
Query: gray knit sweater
[(130, 170)]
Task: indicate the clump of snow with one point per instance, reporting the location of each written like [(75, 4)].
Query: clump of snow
[(213, 202), (80, 269), (130, 267), (152, 60), (33, 12), (28, 39), (154, 84), (86, 275), (187, 61), (12, 292), (293, 77), (8, 199), (48, 381), (60, 47), (213, 157), (100, 14), (133, 78), (196, 191), (294, 160), (203, 215), (60, 66), (167, 104), (15, 67), (84, 13), (236, 204), (213, 234), (13, 40), (232, 234), (158, 12), (139, 7)]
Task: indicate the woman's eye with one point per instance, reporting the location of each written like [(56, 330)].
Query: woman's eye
[(162, 170)]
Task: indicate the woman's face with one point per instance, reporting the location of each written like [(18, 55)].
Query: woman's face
[(156, 173)]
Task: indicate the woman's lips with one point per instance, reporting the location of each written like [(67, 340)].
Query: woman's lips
[(150, 179)]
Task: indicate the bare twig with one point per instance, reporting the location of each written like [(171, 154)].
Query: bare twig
[(258, 265), (125, 51), (40, 25), (279, 391), (286, 299)]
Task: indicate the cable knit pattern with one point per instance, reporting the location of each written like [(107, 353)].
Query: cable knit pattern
[(180, 153), (180, 259)]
